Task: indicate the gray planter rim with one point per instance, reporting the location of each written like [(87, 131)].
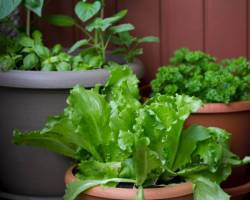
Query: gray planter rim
[(60, 80)]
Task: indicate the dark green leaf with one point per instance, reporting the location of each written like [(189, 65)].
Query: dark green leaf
[(60, 20)]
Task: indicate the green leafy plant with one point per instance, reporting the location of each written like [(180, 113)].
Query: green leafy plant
[(8, 6), (196, 73), (99, 32), (29, 53), (114, 138)]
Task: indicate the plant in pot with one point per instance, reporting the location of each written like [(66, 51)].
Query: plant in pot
[(136, 150), (34, 84), (223, 86)]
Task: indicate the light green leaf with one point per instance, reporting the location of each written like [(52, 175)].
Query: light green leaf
[(118, 16), (90, 113), (6, 63), (122, 28), (207, 190), (7, 7), (189, 140), (124, 38), (140, 194), (78, 45), (35, 6), (30, 61), (25, 41), (63, 66), (49, 140), (60, 20), (94, 170), (42, 51), (104, 24), (77, 187), (37, 36), (148, 39), (86, 11), (144, 160)]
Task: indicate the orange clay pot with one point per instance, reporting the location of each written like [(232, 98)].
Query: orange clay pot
[(182, 191), (235, 118)]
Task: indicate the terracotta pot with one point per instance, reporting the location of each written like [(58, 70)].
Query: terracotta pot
[(235, 118), (182, 191)]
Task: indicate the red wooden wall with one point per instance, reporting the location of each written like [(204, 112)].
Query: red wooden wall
[(219, 27)]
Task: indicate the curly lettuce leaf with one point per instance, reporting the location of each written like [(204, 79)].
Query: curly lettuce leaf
[(91, 169)]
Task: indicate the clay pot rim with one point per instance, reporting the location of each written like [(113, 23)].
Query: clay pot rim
[(225, 108), (171, 191)]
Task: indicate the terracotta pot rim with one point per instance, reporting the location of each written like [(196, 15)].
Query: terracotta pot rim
[(238, 190), (225, 108), (171, 191)]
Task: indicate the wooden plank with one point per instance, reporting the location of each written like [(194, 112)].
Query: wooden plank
[(145, 15), (110, 7), (248, 32), (226, 27), (52, 34), (182, 26)]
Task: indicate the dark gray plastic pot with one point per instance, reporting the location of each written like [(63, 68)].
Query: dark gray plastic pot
[(27, 98)]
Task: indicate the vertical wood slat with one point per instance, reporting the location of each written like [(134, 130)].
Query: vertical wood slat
[(145, 15), (182, 26), (217, 26), (226, 28), (248, 31), (52, 34)]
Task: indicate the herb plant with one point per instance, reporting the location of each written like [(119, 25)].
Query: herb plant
[(196, 73), (29, 53), (99, 32), (114, 138)]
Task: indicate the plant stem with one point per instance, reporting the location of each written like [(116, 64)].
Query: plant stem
[(83, 30), (102, 10), (28, 22)]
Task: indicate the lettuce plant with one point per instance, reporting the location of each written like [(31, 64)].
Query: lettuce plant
[(114, 139), (196, 73)]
